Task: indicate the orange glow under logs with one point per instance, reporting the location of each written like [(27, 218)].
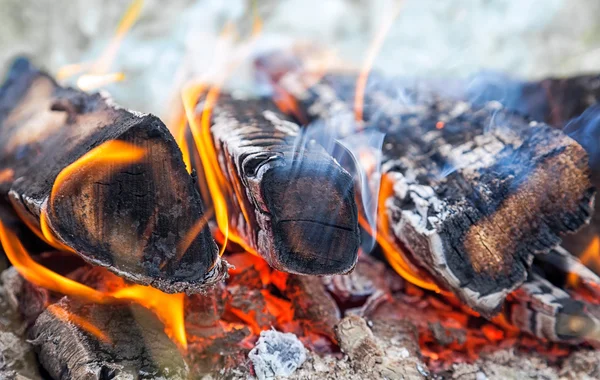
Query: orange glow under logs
[(167, 307)]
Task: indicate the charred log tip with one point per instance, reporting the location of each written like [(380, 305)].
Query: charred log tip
[(317, 234)]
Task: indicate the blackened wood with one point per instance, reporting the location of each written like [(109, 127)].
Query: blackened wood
[(552, 100), (478, 190), (131, 219), (132, 343), (313, 306), (301, 214), (548, 312)]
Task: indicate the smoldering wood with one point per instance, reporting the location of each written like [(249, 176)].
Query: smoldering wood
[(17, 357), (553, 100), (478, 190), (133, 344), (558, 264), (131, 219), (294, 203), (548, 312), (312, 305)]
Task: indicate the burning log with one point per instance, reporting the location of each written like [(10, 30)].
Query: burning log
[(312, 305), (76, 341), (138, 214), (294, 204), (474, 191)]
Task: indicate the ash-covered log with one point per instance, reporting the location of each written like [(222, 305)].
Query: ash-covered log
[(131, 217), (477, 190), (17, 358), (78, 341), (389, 349), (294, 203)]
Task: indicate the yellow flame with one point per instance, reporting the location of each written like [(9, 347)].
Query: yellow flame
[(113, 152), (40, 275), (590, 256), (167, 307), (391, 251), (102, 65), (90, 82), (66, 316), (98, 71), (376, 44)]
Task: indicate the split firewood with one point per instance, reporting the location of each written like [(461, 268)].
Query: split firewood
[(78, 341), (293, 204), (141, 217), (477, 190)]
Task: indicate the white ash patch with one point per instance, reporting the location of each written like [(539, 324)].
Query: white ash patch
[(277, 354)]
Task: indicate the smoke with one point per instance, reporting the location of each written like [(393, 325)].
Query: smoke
[(585, 129), (360, 153)]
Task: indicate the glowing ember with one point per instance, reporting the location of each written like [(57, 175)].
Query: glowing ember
[(167, 307)]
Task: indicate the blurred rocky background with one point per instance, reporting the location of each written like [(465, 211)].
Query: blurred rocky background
[(430, 38)]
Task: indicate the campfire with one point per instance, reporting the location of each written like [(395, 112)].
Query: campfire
[(339, 224)]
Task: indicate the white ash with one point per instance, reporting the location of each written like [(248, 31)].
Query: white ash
[(277, 354)]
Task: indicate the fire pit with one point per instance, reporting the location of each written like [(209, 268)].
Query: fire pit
[(329, 222)]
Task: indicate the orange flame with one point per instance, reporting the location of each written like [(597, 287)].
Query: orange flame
[(66, 316), (167, 307), (218, 186), (6, 175), (590, 256), (391, 251), (98, 71), (113, 152), (376, 44)]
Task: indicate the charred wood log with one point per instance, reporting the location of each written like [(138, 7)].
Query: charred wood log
[(76, 341), (551, 100), (548, 312), (131, 217), (478, 190), (294, 204)]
